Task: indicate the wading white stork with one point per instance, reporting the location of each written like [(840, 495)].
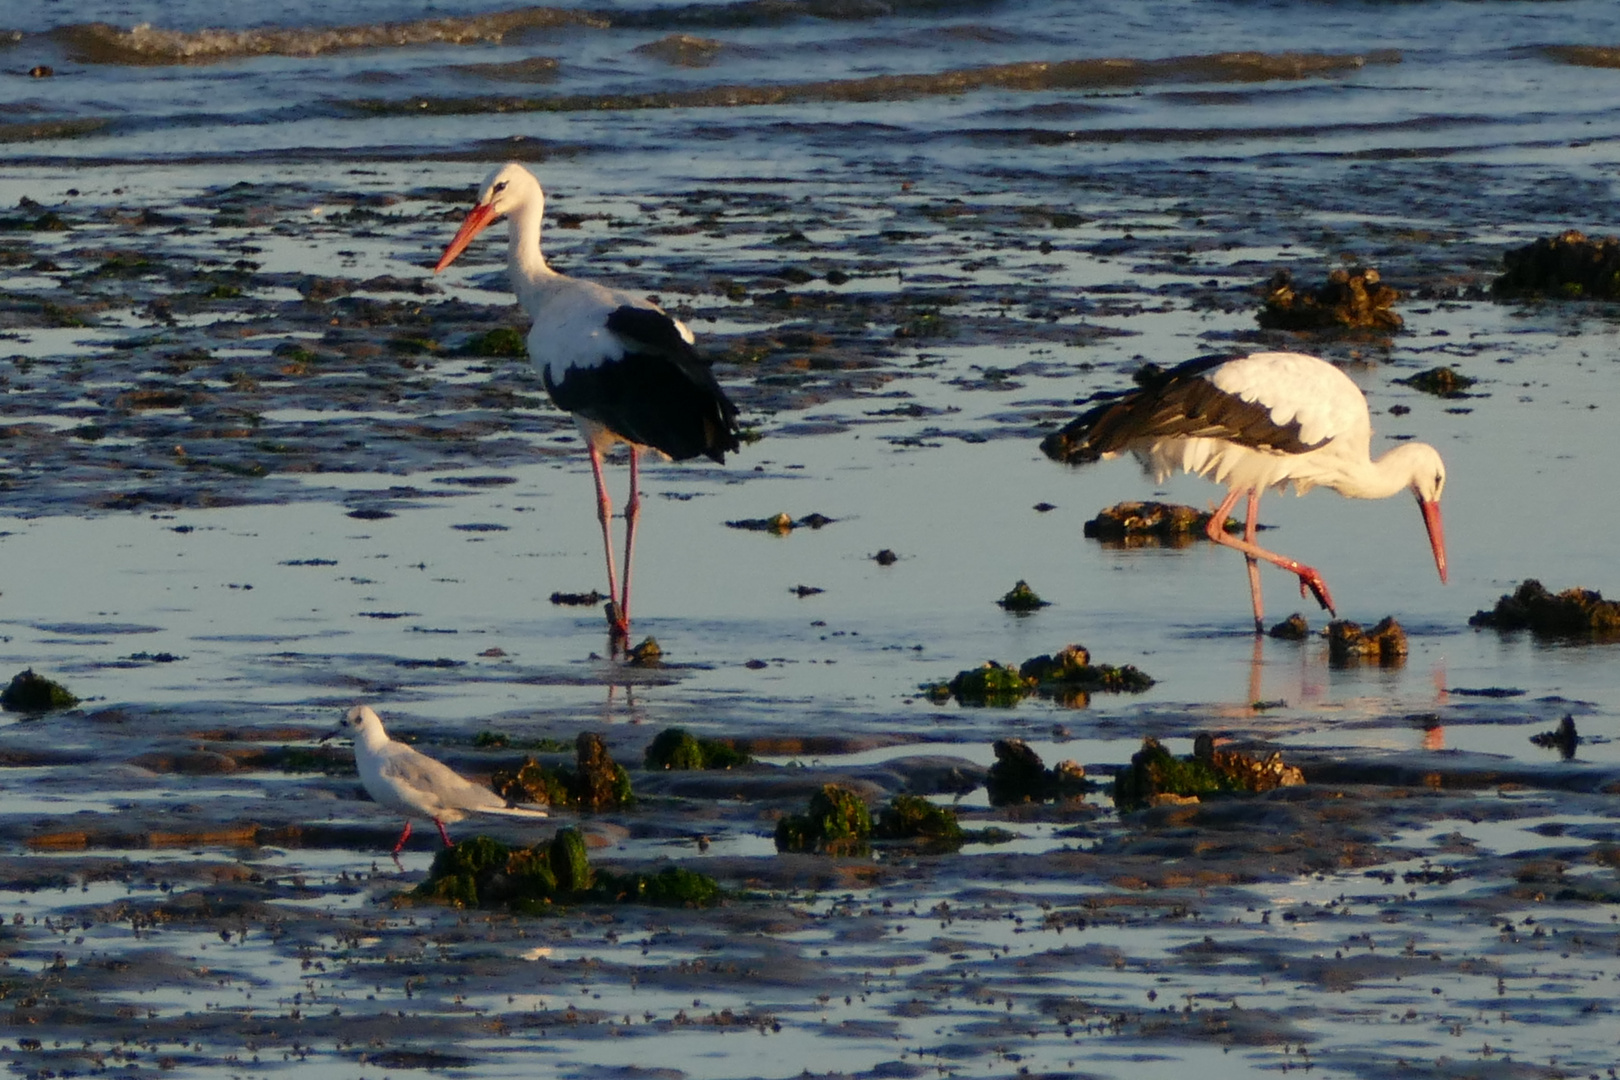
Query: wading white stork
[(625, 369), (1253, 423), (410, 783)]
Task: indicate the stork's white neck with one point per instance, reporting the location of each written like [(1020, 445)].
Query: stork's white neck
[(1396, 469), (524, 260)]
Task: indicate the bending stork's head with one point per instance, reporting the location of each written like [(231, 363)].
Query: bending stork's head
[(1428, 481), (508, 188)]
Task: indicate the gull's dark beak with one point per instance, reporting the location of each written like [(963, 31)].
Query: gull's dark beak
[(334, 733)]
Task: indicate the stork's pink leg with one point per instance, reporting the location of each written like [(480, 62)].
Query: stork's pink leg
[(617, 625), (404, 836), (1308, 578), (632, 514), (444, 835), (1250, 524)]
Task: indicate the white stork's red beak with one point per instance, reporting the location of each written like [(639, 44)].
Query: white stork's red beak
[(477, 220), (1437, 534)]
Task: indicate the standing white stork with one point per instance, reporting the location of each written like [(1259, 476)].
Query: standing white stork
[(625, 369), (1252, 423)]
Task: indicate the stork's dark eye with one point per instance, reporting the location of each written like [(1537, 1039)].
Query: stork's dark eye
[(498, 188)]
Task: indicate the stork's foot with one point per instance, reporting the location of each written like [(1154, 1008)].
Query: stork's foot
[(1311, 584), (618, 624)]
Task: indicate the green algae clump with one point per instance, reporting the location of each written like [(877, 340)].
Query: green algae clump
[(31, 693), (912, 817), (836, 823), (1071, 671), (673, 886), (677, 748), (993, 684), (1156, 777), (1572, 613), (1021, 598), (501, 341), (1068, 676), (482, 872)]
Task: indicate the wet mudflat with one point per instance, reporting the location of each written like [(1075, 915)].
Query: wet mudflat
[(259, 465)]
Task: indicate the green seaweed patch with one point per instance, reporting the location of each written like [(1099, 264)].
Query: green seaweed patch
[(1572, 613), (1156, 777), (1020, 776), (1021, 598), (1070, 671), (912, 817), (483, 872), (993, 684), (504, 341), (677, 748), (1440, 381), (500, 740), (31, 693), (597, 782), (1068, 677), (836, 823)]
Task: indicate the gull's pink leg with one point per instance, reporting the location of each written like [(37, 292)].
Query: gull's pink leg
[(632, 514), (1308, 578), (444, 835), (604, 513), (404, 836)]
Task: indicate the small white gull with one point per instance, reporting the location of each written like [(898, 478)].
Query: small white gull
[(413, 784)]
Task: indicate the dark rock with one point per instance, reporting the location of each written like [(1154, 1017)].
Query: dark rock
[(596, 782), (1349, 299), (1136, 523), (1567, 265), (1440, 381), (1158, 778), (30, 693), (1563, 738), (1385, 642), (1293, 628), (1571, 613), (577, 599), (1019, 776)]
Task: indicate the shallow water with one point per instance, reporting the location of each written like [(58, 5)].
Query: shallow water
[(913, 236)]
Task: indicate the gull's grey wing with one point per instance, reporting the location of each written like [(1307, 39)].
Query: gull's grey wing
[(434, 782)]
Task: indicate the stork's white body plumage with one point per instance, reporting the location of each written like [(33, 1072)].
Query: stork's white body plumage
[(411, 784), (1252, 423), (619, 363)]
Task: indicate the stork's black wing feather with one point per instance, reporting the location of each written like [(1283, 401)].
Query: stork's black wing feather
[(661, 393), (1179, 403)]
